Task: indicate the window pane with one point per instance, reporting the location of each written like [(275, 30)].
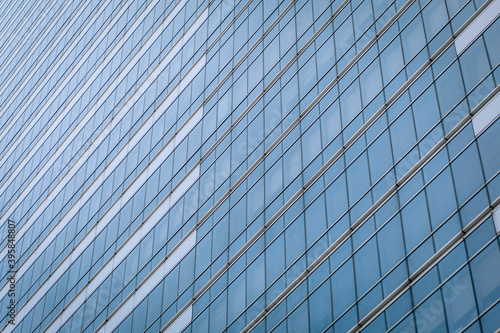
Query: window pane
[(435, 17), (362, 18), (474, 64), (380, 156), (459, 301), (492, 44), (467, 173), (430, 315), (311, 143), (350, 103), (489, 148), (336, 199), (320, 305), (343, 292), (358, 179), (315, 220), (415, 222), (344, 37), (485, 270), (390, 244), (413, 38), (255, 279), (294, 240), (441, 198), (366, 266), (426, 112), (371, 82), (402, 135), (297, 321), (392, 60), (450, 88), (330, 123)]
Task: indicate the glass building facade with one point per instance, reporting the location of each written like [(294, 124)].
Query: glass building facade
[(265, 166)]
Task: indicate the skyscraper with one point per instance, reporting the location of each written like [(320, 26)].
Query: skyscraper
[(277, 165)]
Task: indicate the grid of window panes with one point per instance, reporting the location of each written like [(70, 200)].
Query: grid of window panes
[(339, 170)]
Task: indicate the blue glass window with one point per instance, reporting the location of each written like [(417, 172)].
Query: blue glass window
[(441, 198), (320, 306), (489, 149), (413, 38), (467, 173), (474, 64), (358, 178), (485, 269), (450, 88), (402, 135), (350, 103), (392, 60), (315, 220), (430, 315), (371, 82), (366, 266), (343, 290), (435, 17), (492, 44), (459, 301), (415, 221), (391, 244)]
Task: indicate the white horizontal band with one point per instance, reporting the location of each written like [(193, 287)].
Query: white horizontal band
[(477, 26), (181, 322), (496, 219), (486, 115)]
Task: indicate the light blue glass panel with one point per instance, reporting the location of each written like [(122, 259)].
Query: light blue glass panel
[(467, 173), (371, 82), (441, 198), (320, 306), (485, 269), (366, 267), (358, 178), (415, 221), (336, 199), (391, 244), (413, 38), (490, 320), (426, 112), (492, 44), (489, 149), (343, 290), (392, 60), (402, 135), (450, 88), (474, 64), (350, 103), (344, 37), (315, 220), (430, 316), (459, 301), (380, 156), (435, 17), (297, 321)]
